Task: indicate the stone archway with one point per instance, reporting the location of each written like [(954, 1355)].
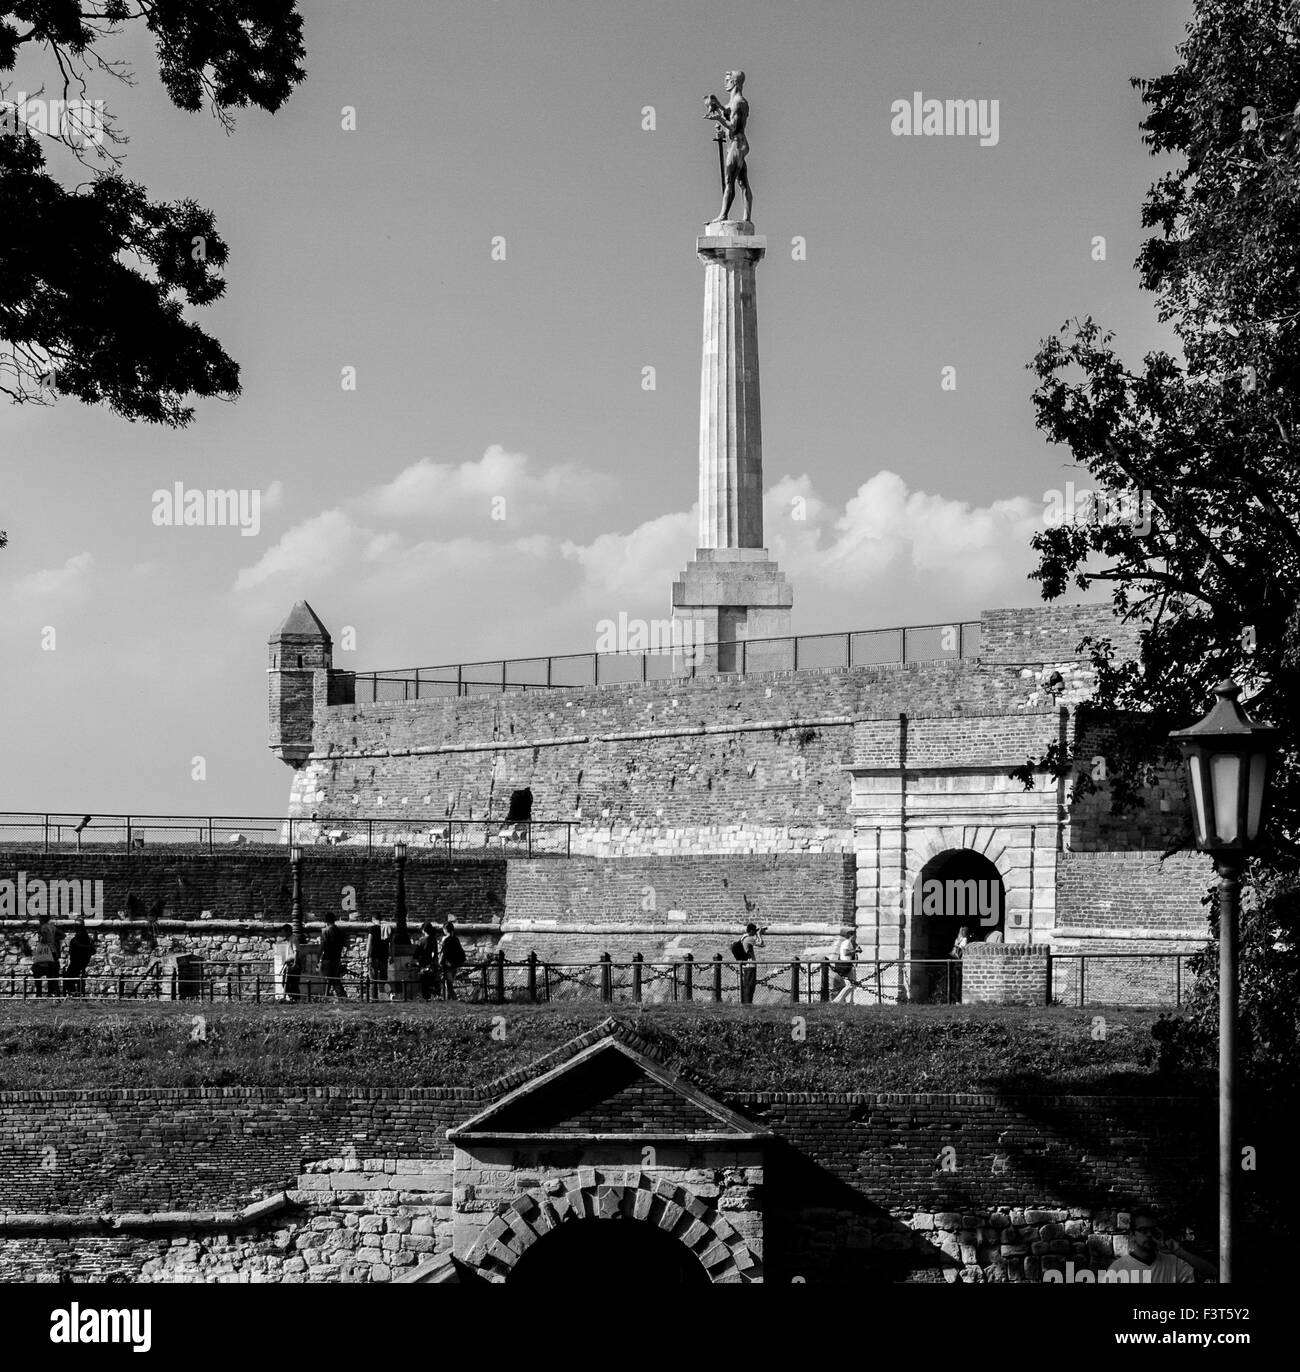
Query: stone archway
[(956, 889), (587, 1254), (704, 1235)]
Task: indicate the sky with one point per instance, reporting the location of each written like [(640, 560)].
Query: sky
[(501, 247)]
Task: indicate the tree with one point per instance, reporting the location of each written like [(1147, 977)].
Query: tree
[(95, 281), (1213, 436)]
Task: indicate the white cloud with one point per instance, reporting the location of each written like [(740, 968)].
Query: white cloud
[(54, 581), (429, 490), (626, 568), (308, 551)]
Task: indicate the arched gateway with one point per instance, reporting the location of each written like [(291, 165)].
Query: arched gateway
[(608, 1164)]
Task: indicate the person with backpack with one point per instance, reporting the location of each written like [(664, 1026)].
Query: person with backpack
[(451, 959), (81, 948), (45, 959), (743, 951)]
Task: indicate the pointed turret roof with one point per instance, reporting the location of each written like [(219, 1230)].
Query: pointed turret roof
[(302, 622)]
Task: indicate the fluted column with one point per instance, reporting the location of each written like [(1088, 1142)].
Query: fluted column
[(731, 432)]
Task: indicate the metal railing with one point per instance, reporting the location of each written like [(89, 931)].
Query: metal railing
[(1132, 979), (52, 832), (801, 652), (534, 980)]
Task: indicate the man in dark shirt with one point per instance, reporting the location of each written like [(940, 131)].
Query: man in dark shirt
[(451, 958), (332, 943)]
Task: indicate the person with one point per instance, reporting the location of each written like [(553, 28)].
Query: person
[(45, 960), (952, 974), (846, 955), (333, 941), (81, 948), (451, 959), (1166, 1261), (426, 959), (743, 950), (376, 960), (731, 119), (291, 970)]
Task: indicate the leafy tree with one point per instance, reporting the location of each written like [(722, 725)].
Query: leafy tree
[(1213, 436), (94, 287)]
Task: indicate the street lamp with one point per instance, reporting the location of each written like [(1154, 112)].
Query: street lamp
[(401, 938), (1229, 757), (295, 863)]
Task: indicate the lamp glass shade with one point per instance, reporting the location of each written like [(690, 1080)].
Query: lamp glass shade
[(1255, 798), (1195, 767), (295, 853), (399, 850), (1225, 781)]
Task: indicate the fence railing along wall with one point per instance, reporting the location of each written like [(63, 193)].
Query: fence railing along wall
[(51, 832), (801, 652), (1141, 980)]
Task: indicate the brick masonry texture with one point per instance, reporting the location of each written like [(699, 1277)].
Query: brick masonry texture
[(1000, 1185), (763, 749)]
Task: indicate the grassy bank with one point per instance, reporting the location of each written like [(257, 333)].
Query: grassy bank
[(66, 1046)]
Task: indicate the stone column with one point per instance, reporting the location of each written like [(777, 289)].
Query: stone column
[(732, 592), (731, 428)]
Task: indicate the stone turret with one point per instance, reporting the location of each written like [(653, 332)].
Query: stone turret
[(301, 676)]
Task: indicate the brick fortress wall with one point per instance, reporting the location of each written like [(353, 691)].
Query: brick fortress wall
[(359, 1184)]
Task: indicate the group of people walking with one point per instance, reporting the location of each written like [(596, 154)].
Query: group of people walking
[(45, 959), (437, 956)]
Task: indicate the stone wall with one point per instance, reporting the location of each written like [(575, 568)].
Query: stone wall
[(261, 1184), (252, 884)]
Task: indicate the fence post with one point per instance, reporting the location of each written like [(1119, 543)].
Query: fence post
[(717, 978), (209, 835), (1081, 969), (638, 959), (128, 833), (1178, 981), (47, 833), (500, 977), (532, 975), (794, 981), (417, 683), (370, 836), (606, 977), (826, 981), (688, 978)]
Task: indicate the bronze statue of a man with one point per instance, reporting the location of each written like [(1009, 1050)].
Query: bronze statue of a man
[(731, 119)]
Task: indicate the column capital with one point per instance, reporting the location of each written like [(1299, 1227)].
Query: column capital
[(730, 240)]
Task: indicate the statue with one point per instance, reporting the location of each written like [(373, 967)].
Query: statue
[(731, 120)]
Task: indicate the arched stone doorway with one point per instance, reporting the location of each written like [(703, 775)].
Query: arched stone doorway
[(956, 887), (629, 1254)]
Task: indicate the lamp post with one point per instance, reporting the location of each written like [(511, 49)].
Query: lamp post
[(1228, 757), (401, 936), (295, 863)]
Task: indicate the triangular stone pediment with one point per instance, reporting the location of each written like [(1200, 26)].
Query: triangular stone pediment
[(607, 1090)]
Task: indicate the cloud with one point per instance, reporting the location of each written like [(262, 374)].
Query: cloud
[(429, 490), (888, 530), (623, 567), (309, 550), (55, 581)]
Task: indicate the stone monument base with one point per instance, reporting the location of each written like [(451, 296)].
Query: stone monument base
[(727, 598)]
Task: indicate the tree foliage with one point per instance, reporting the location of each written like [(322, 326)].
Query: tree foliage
[(1213, 435), (95, 279)]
